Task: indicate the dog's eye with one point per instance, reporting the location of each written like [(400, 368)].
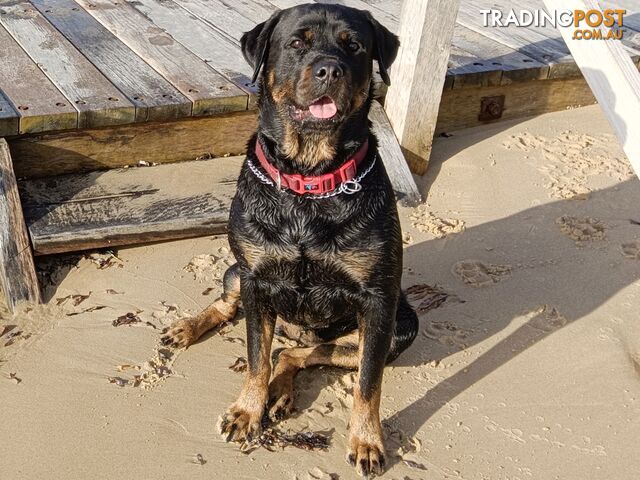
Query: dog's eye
[(353, 46), (297, 44)]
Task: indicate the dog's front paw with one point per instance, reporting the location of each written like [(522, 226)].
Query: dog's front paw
[(367, 456), (181, 334), (241, 425)]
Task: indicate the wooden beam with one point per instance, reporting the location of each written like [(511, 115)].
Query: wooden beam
[(612, 76), (129, 206), (17, 270), (112, 147), (418, 75), (402, 181)]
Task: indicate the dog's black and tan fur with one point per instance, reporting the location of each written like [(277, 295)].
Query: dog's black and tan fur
[(327, 270)]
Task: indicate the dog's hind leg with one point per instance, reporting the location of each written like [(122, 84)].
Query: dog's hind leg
[(187, 331), (405, 330), (341, 352)]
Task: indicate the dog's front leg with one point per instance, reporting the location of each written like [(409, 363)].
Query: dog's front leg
[(242, 422), (365, 450)]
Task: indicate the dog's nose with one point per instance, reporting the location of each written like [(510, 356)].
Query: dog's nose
[(328, 70)]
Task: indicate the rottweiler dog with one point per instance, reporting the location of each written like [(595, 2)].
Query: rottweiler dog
[(314, 226)]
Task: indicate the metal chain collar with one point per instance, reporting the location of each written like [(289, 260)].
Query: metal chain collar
[(349, 187)]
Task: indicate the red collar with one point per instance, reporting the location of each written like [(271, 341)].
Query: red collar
[(315, 185)]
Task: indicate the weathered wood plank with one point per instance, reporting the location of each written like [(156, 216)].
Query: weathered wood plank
[(207, 43), (477, 60), (17, 270), (405, 187), (460, 107), (130, 206), (209, 91), (613, 78), (9, 118), (39, 103), (389, 21), (536, 43), (418, 76), (153, 96), (66, 67), (99, 149), (220, 15)]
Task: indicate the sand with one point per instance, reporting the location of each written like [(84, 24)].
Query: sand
[(525, 268)]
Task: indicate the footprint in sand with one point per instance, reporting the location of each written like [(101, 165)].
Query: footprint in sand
[(548, 319), (425, 221), (572, 159), (631, 250), (208, 268), (478, 274), (582, 230)]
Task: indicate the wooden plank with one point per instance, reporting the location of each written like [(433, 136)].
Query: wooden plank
[(99, 149), (405, 187), (390, 21), (39, 103), (209, 91), (418, 76), (613, 78), (207, 43), (17, 270), (460, 107), (9, 118), (538, 43), (67, 68), (222, 16), (130, 206), (477, 60), (153, 96)]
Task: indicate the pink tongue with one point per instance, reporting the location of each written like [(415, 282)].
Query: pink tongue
[(323, 108)]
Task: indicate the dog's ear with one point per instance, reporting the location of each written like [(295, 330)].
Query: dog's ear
[(385, 46), (255, 44)]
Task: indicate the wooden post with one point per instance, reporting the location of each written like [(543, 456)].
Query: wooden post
[(612, 76), (17, 270), (394, 163), (418, 74)]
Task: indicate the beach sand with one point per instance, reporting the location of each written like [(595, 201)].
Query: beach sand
[(523, 264)]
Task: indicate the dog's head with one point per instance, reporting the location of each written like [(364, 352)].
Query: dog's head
[(315, 64)]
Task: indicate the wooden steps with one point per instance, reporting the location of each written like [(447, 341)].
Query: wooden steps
[(129, 206)]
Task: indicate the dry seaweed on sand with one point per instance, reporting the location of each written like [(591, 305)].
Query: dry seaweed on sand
[(272, 439), (13, 376), (6, 329), (198, 459), (208, 291), (13, 336), (76, 299), (106, 259), (111, 291), (416, 465), (127, 319), (425, 297), (119, 381), (239, 366), (87, 310)]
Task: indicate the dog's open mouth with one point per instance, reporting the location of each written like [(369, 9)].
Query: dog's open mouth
[(322, 109)]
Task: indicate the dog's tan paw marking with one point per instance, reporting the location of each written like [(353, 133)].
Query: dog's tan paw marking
[(181, 334), (367, 458), (281, 399), (240, 425)]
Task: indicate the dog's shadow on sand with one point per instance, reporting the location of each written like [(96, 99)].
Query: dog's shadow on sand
[(548, 269)]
